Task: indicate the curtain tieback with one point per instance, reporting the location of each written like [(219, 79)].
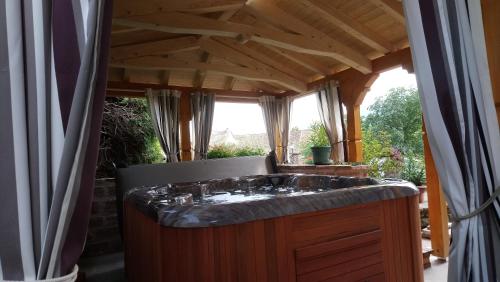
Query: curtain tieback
[(479, 210), (341, 141)]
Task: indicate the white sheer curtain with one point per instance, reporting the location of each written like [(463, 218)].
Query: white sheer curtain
[(330, 111), (164, 110), (202, 109), (449, 57)]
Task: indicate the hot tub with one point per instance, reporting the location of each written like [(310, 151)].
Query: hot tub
[(279, 227)]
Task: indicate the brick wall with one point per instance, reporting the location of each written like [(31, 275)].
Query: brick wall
[(103, 236)]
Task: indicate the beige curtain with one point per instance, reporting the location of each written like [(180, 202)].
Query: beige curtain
[(202, 109), (276, 112), (164, 110), (330, 111)]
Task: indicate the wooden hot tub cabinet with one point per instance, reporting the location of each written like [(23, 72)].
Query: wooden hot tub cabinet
[(379, 241)]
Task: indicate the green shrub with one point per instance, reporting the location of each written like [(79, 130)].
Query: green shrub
[(229, 151), (414, 171), (220, 151), (380, 156), (248, 151), (127, 136)]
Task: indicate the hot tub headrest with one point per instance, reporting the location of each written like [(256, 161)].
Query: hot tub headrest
[(153, 174)]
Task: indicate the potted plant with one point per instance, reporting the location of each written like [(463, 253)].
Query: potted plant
[(414, 171), (319, 144)]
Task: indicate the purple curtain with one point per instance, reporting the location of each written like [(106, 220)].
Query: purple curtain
[(449, 56), (53, 57)]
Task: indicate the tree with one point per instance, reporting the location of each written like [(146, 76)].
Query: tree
[(399, 115)]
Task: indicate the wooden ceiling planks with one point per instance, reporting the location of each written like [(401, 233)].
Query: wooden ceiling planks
[(269, 45)]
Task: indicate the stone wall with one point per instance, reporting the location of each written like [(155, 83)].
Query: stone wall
[(103, 236)]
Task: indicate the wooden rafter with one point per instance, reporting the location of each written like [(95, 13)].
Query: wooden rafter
[(261, 57), (164, 76), (161, 47), (158, 63), (391, 7), (350, 26), (199, 77), (132, 89), (232, 55), (192, 24), (122, 29), (128, 8), (264, 10), (305, 61), (263, 86), (229, 84), (401, 58)]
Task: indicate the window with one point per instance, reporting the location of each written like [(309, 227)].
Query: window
[(304, 114), (239, 125)]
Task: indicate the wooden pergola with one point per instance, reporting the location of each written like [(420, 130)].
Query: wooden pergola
[(242, 50)]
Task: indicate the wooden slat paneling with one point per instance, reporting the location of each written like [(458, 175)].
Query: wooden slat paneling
[(369, 242)]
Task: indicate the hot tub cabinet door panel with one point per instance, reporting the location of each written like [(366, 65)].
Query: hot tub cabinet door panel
[(356, 257), (370, 242)]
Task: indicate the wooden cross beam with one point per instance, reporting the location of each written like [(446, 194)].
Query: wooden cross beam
[(193, 24)]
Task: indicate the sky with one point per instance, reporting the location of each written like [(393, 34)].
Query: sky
[(247, 118)]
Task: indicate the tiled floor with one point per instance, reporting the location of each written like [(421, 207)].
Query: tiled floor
[(438, 272)]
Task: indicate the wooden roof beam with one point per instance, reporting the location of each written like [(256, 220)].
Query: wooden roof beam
[(192, 24), (229, 84), (120, 88), (158, 63), (305, 61), (393, 8), (401, 58), (265, 10), (261, 57), (161, 47), (350, 26), (129, 8), (199, 76), (121, 29), (233, 55)]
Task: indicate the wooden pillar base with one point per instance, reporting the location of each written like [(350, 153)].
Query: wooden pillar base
[(355, 150), (355, 145), (438, 210)]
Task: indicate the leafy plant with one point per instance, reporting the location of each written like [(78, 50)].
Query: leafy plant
[(414, 171), (229, 151), (248, 151), (381, 157), (318, 137)]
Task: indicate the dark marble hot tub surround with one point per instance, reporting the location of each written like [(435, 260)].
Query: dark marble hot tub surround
[(237, 200)]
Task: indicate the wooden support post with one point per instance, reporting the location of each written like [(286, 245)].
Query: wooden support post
[(491, 22), (355, 145), (184, 119), (353, 88), (438, 212)]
